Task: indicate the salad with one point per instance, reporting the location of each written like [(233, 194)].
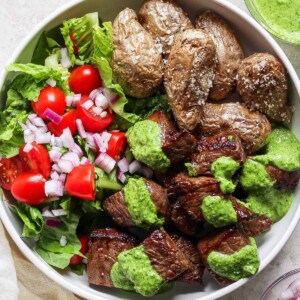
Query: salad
[(122, 162)]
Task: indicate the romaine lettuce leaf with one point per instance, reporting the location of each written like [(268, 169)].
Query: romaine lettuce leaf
[(82, 31), (103, 40), (32, 219), (49, 247)]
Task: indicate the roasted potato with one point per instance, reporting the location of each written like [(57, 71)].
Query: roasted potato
[(229, 54), (251, 127), (188, 76), (163, 19), (136, 63), (262, 84)]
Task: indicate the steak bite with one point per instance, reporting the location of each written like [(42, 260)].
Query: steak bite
[(196, 268), (229, 255), (141, 203), (165, 256), (177, 145), (283, 179), (209, 149), (104, 247)]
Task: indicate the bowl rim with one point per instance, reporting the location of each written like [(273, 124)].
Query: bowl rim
[(59, 278)]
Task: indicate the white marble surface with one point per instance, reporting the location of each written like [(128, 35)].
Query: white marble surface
[(18, 17)]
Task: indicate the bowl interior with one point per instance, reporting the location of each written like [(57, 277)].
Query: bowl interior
[(253, 39)]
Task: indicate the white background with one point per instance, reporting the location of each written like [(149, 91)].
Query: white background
[(18, 17)]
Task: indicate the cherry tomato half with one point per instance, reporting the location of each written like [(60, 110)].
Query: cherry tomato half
[(76, 259), (116, 145), (68, 120), (37, 159), (10, 168), (75, 48), (90, 121), (29, 188), (84, 79), (81, 182), (52, 98)]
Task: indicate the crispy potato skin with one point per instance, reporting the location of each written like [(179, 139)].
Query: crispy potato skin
[(251, 127), (136, 63), (163, 19), (229, 54), (188, 76), (262, 84)]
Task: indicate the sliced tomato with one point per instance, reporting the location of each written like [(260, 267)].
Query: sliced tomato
[(29, 188), (81, 182), (68, 120), (75, 48), (37, 159), (84, 79), (52, 98), (90, 120), (76, 259), (117, 145), (10, 169)]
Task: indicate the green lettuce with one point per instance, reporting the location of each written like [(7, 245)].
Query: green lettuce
[(11, 133), (49, 247), (32, 219), (82, 31)]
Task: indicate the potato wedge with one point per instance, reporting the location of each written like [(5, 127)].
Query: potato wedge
[(136, 63)]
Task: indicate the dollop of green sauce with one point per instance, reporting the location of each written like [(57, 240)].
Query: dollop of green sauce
[(218, 211), (254, 176), (282, 16), (272, 202), (223, 169), (241, 264), (282, 149), (145, 142), (135, 265), (140, 205)]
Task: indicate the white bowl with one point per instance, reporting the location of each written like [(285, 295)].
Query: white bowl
[(253, 38)]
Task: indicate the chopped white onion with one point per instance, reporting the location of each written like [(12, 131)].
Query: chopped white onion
[(24, 127), (76, 99), (58, 142), (52, 140), (51, 82), (31, 126), (81, 129), (39, 122), (105, 162), (28, 147), (41, 130), (103, 114), (65, 166), (63, 241), (87, 104), (72, 157), (53, 188), (97, 110), (43, 138), (31, 117), (123, 165), (27, 132), (67, 138), (29, 138), (54, 175), (106, 136), (65, 58), (69, 100), (46, 213), (101, 101), (101, 144), (55, 155), (56, 168), (134, 167), (59, 212)]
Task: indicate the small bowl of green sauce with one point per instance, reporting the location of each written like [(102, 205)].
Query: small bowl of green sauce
[(280, 17)]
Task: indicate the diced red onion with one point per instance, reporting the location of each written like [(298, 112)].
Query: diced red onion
[(65, 58), (67, 138), (101, 144), (54, 188), (146, 171), (76, 99), (52, 140), (58, 142), (72, 157), (56, 168), (31, 126), (54, 175), (29, 138), (27, 131), (24, 127), (101, 101), (95, 93), (121, 176), (97, 110), (66, 166), (69, 100), (134, 167), (87, 104), (28, 147), (52, 116), (46, 213), (103, 114), (84, 161), (77, 150), (106, 136), (31, 117), (81, 129), (39, 122), (59, 212), (105, 162), (44, 138), (55, 155), (91, 141), (53, 222), (111, 96), (123, 165), (62, 178), (63, 241), (41, 130), (51, 82)]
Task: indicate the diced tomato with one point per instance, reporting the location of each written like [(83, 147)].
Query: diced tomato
[(117, 145), (37, 159), (29, 188), (76, 259), (81, 182), (68, 120), (90, 120), (84, 79), (10, 169), (52, 98), (75, 48)]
